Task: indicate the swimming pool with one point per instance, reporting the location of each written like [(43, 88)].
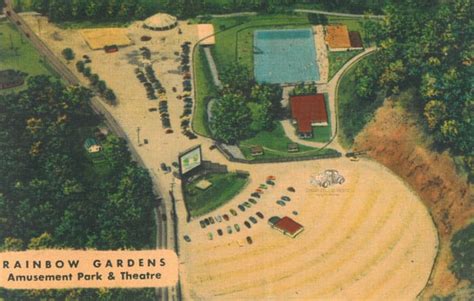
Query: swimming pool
[(285, 56)]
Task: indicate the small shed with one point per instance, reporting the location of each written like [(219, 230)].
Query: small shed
[(92, 146), (293, 148), (256, 150)]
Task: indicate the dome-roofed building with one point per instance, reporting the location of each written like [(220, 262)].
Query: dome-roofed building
[(160, 22)]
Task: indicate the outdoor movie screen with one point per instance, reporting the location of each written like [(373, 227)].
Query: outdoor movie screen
[(190, 160)]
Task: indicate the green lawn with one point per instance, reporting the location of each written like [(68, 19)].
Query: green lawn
[(204, 88), (91, 24), (339, 59), (16, 52), (275, 145), (224, 188), (236, 43), (353, 112)]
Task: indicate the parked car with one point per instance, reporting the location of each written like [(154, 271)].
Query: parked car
[(327, 178), (152, 109), (226, 217), (211, 219), (253, 201), (253, 219), (207, 222), (247, 204), (242, 208), (209, 235), (202, 223), (163, 167), (169, 131), (260, 214), (263, 186), (247, 224), (237, 227), (219, 231), (229, 229), (187, 238), (291, 189), (258, 190), (286, 198), (270, 182), (233, 212), (281, 203), (249, 240), (255, 195), (219, 219), (271, 178)]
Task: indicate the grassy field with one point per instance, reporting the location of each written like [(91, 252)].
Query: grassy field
[(224, 188), (275, 145), (204, 88), (17, 53), (339, 59), (353, 112), (91, 24), (236, 42)]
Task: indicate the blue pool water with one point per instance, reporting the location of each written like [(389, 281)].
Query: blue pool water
[(285, 56)]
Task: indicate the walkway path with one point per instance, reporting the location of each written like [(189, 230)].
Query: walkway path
[(322, 12), (331, 89), (213, 67)]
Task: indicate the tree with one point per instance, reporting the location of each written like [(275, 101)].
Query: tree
[(236, 79), (231, 118), (68, 54), (44, 241), (87, 71), (110, 96), (462, 246), (80, 66), (262, 118), (94, 79), (101, 86)]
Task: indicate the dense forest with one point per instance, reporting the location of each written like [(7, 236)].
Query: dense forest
[(53, 193), (126, 10), (427, 49)]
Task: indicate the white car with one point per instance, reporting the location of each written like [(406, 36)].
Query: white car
[(327, 178)]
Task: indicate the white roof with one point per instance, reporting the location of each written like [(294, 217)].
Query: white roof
[(160, 21), (204, 31)]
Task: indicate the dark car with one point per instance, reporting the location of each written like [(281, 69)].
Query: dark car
[(253, 201), (211, 219), (169, 131), (237, 227), (163, 167), (226, 217), (219, 231), (233, 212), (255, 195), (242, 208), (203, 224), (247, 204), (270, 182), (253, 219), (281, 203), (249, 240), (259, 214), (207, 222), (291, 189), (152, 109), (286, 198), (247, 224), (187, 238)]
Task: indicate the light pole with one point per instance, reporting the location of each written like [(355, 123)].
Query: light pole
[(138, 135)]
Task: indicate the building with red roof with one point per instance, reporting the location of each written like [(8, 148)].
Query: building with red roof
[(308, 111), (286, 225)]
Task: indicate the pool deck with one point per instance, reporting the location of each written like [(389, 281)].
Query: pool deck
[(321, 54)]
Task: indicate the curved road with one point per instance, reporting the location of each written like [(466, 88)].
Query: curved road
[(165, 237)]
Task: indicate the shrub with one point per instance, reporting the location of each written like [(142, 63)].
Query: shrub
[(80, 66)]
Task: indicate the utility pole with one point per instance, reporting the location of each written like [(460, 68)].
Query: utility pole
[(138, 135)]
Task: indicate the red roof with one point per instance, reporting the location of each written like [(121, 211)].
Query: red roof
[(288, 225), (308, 109)]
